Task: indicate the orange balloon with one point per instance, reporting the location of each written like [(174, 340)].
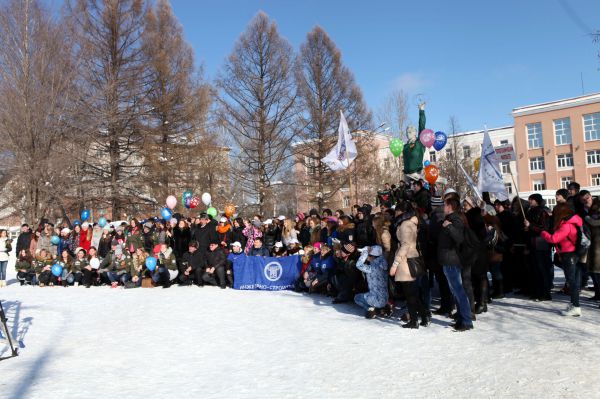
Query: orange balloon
[(229, 210), (431, 173), (477, 164)]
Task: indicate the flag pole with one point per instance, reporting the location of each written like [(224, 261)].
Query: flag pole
[(517, 190)]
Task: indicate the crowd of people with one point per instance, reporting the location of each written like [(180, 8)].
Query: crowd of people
[(415, 240)]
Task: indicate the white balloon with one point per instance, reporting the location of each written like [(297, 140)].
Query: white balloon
[(206, 199), (95, 263)]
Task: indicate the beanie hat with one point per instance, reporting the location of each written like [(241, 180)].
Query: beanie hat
[(537, 198), (437, 201), (300, 216), (348, 248)]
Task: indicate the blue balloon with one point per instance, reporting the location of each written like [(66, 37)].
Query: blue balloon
[(426, 163), (54, 240), (57, 270), (85, 215), (102, 222), (76, 222), (440, 140), (151, 263), (166, 213)]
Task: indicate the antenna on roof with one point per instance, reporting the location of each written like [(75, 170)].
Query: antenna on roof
[(582, 90)]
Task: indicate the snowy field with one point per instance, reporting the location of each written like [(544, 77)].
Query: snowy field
[(189, 342)]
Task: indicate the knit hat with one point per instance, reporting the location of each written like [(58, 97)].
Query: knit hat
[(374, 250), (281, 217), (148, 225), (437, 201), (66, 230), (537, 198), (449, 191), (118, 251), (300, 216), (256, 223), (348, 248), (114, 243), (223, 219), (85, 225), (317, 245), (268, 221), (193, 244), (80, 249), (278, 244)]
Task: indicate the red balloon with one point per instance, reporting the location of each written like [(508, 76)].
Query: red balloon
[(431, 173), (194, 202)]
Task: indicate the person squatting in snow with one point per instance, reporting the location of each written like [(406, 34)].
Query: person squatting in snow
[(417, 244)]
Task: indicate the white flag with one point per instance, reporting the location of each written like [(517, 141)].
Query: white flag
[(342, 155), (490, 176)]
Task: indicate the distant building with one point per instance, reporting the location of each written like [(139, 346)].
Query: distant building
[(556, 143)]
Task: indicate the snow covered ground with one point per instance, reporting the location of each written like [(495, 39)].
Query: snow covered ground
[(189, 342)]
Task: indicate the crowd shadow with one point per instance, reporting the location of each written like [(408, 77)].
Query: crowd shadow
[(18, 327)]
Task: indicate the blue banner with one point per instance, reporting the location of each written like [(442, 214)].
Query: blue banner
[(264, 273)]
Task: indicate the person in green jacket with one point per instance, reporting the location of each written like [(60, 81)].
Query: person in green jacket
[(43, 268), (412, 154), (77, 265), (25, 269)]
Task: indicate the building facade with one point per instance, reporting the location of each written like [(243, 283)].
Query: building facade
[(557, 143)]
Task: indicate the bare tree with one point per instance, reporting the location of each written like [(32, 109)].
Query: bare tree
[(325, 87), (36, 99), (394, 112), (115, 80), (257, 99), (177, 102), (454, 157)]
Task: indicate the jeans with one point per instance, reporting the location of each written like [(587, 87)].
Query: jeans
[(361, 301), (3, 265), (573, 271), (112, 276), (446, 302), (496, 271), (453, 275)]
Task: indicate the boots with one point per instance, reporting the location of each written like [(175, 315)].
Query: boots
[(480, 308), (2, 283), (411, 324), (571, 310), (498, 290)]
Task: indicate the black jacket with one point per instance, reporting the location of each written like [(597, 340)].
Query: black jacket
[(215, 258), (238, 235), (23, 242), (195, 260), (365, 233), (449, 240), (204, 236), (181, 238)]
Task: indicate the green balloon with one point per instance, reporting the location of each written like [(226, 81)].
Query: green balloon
[(396, 147), (212, 212)]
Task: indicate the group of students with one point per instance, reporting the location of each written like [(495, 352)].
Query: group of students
[(412, 242)]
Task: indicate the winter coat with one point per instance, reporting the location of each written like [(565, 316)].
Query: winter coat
[(65, 244), (346, 232), (44, 243), (24, 265), (76, 266), (23, 241), (565, 236), (167, 259), (262, 251), (421, 198), (449, 240), (407, 237), (365, 234), (237, 234), (251, 233), (4, 249), (232, 256), (104, 245), (539, 220), (204, 236), (224, 234), (377, 280), (135, 241), (322, 268), (593, 256), (270, 237), (216, 258), (85, 239), (195, 260), (304, 235), (291, 235), (181, 239)]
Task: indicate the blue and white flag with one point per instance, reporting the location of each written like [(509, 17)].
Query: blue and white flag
[(490, 176), (265, 273), (342, 155)]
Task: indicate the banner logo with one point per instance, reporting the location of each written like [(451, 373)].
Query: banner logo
[(273, 271)]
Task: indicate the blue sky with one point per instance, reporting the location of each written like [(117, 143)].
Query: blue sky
[(476, 60)]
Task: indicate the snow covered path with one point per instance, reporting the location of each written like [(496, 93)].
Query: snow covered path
[(189, 342)]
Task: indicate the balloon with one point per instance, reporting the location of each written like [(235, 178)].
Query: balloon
[(173, 222), (477, 164), (229, 210), (102, 222), (76, 222), (431, 173), (57, 269), (187, 202), (171, 202), (151, 263), (166, 213), (54, 240), (194, 202), (187, 195), (206, 199), (396, 147), (427, 137), (426, 163), (85, 215), (426, 186), (440, 140), (212, 212), (95, 263)]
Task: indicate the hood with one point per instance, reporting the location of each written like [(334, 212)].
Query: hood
[(575, 220)]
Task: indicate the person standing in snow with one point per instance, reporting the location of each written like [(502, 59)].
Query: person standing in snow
[(373, 264)]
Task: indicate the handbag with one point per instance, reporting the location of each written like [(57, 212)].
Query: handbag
[(416, 266)]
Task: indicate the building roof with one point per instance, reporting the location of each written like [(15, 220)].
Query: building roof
[(555, 105), (490, 130)]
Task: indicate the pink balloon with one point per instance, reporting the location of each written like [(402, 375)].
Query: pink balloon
[(427, 137), (171, 202)]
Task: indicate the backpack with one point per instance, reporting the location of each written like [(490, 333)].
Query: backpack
[(583, 241), (469, 248)]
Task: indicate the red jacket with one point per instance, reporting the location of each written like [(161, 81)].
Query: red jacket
[(565, 236), (85, 239)]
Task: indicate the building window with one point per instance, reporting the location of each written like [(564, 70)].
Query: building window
[(591, 126), (311, 165), (508, 187), (534, 135), (386, 163), (565, 160), (503, 142), (562, 131), (432, 156), (449, 153), (466, 151), (536, 163), (550, 202), (505, 167), (596, 179), (593, 157), (346, 202), (565, 181), (539, 185)]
